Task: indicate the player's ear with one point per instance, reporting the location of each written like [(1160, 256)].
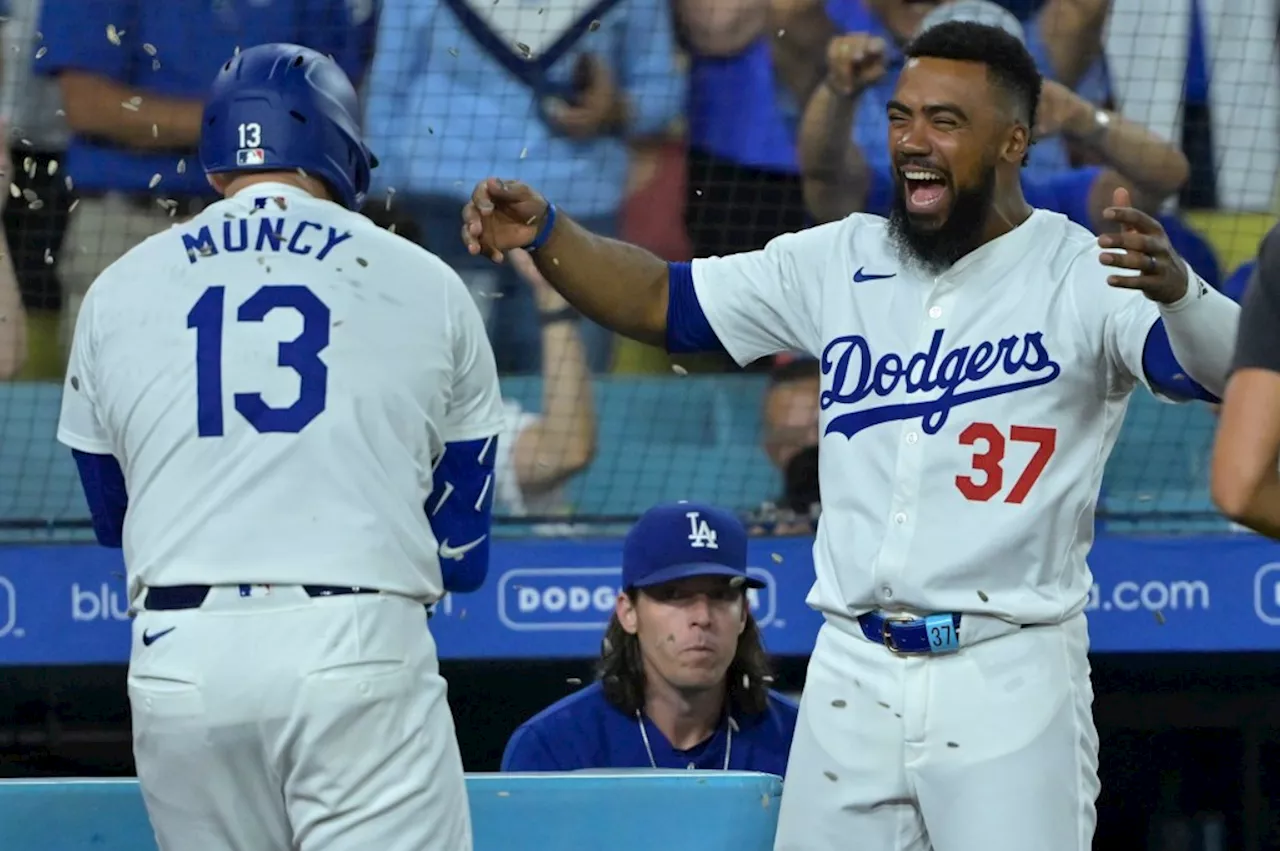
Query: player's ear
[(1017, 143), (218, 182), (625, 609)]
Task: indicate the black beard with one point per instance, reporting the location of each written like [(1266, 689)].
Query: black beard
[(938, 249)]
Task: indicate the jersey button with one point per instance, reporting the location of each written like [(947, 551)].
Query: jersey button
[(899, 518), (886, 592), (912, 437), (935, 312)]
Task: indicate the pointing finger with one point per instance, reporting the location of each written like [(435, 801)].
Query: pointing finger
[(1120, 197)]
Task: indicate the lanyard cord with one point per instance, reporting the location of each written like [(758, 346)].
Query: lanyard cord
[(728, 746)]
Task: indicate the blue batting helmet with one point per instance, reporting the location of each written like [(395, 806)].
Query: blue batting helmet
[(279, 107)]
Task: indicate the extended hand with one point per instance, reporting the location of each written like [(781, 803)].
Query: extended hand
[(1162, 274), (501, 215), (855, 61), (600, 107)]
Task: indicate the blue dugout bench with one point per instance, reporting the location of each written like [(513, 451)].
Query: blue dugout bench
[(579, 811)]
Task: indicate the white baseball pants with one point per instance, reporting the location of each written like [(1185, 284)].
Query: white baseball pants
[(990, 748), (286, 723)]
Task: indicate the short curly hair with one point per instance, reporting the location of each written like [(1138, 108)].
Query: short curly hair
[(1010, 65)]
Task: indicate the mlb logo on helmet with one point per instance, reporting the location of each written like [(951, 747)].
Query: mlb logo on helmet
[(251, 156)]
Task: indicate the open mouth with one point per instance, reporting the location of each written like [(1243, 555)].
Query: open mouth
[(926, 189)]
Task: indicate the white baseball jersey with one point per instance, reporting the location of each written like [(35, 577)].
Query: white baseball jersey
[(276, 377), (965, 419)]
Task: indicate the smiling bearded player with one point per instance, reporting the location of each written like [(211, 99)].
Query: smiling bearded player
[(977, 358)]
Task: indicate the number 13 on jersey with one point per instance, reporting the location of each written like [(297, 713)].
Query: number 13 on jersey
[(301, 354)]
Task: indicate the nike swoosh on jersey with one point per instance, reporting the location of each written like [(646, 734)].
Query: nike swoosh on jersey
[(860, 276), (150, 638), (456, 553)]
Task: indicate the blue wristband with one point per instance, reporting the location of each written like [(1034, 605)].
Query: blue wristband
[(548, 224)]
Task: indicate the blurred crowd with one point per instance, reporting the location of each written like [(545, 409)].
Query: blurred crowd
[(692, 127)]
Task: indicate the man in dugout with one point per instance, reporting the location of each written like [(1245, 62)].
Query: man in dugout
[(683, 679)]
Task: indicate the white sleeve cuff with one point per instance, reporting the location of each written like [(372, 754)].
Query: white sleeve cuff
[(1202, 333), (84, 444)]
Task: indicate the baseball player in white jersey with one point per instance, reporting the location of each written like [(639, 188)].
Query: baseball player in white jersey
[(977, 357), (256, 399)]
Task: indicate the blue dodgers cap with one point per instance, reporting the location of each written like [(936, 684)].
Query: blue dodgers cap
[(679, 540)]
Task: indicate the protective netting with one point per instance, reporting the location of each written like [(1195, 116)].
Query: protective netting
[(702, 127)]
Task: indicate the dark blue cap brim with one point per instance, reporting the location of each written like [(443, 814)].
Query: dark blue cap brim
[(688, 571)]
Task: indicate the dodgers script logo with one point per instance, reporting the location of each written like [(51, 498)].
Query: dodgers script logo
[(856, 376)]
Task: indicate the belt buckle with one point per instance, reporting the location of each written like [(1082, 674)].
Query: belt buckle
[(886, 630)]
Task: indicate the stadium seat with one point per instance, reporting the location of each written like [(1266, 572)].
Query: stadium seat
[(1157, 479), (662, 438), (701, 811), (37, 476)]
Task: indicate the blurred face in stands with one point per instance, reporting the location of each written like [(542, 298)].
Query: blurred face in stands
[(687, 630), (903, 17), (791, 419), (947, 128)]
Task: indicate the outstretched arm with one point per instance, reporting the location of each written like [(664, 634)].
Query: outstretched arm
[(751, 304), (561, 442), (833, 172), (1245, 479), (620, 286)]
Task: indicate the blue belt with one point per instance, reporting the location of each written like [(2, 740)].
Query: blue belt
[(173, 598), (905, 634)]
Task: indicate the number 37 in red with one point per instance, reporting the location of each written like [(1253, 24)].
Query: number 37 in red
[(990, 462)]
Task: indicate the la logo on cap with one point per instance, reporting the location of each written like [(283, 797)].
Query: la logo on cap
[(701, 535)]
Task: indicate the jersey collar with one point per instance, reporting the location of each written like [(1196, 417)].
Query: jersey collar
[(269, 188), (994, 258)]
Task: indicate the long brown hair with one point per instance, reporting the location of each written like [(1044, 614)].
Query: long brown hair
[(621, 669)]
